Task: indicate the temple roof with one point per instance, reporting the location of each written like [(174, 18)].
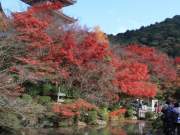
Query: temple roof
[(66, 18), (64, 2)]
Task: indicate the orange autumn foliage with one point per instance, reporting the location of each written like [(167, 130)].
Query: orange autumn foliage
[(70, 55), (72, 109), (118, 112), (158, 63), (101, 37), (177, 60)]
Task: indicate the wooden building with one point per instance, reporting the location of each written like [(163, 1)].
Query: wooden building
[(58, 16)]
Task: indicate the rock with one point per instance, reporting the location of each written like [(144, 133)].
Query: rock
[(101, 122), (115, 118), (81, 124), (134, 118), (66, 123), (46, 124)]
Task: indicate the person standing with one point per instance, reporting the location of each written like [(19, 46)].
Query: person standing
[(176, 116), (155, 107), (167, 117)]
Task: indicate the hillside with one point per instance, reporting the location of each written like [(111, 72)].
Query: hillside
[(164, 36), (63, 77)]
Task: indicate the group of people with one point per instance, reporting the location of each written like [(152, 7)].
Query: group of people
[(171, 118)]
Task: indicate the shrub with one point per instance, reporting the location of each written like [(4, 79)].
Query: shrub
[(70, 92), (44, 100), (103, 113), (91, 117), (10, 119), (115, 106), (46, 89), (66, 123), (129, 113), (68, 101), (75, 119), (27, 98), (32, 88), (157, 124), (15, 77), (35, 89), (149, 115), (117, 114)]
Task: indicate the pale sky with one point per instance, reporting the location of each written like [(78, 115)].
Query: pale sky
[(114, 16)]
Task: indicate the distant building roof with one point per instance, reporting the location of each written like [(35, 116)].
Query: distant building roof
[(66, 19), (64, 2)]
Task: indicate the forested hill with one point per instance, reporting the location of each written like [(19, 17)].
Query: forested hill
[(164, 35)]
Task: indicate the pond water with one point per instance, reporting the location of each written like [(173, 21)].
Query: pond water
[(138, 128)]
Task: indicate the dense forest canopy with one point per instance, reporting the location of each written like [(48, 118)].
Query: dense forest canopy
[(164, 36)]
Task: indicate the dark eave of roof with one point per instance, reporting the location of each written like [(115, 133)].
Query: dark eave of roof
[(1, 11), (64, 2)]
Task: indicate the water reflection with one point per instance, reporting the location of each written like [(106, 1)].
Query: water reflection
[(140, 128)]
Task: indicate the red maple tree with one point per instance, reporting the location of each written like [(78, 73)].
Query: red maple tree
[(158, 63), (71, 56)]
